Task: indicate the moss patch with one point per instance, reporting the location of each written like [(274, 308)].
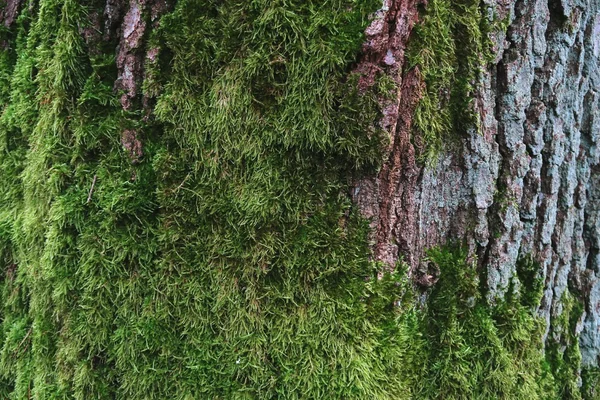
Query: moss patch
[(450, 47), (462, 349), (562, 353), (227, 263), (591, 382)]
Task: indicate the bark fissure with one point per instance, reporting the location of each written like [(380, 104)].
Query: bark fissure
[(389, 198), (132, 55)]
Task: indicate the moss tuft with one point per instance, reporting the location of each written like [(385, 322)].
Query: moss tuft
[(590, 383), (450, 47), (477, 352), (562, 353)]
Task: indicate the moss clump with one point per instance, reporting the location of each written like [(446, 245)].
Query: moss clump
[(227, 263), (531, 281), (590, 383), (450, 47), (562, 353), (463, 349)]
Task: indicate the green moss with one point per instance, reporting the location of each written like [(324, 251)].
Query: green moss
[(478, 352), (591, 380), (530, 277), (450, 47), (562, 352), (228, 263)]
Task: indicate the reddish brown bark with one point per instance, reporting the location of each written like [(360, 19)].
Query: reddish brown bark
[(388, 199)]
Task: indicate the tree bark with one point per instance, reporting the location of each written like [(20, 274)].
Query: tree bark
[(527, 183)]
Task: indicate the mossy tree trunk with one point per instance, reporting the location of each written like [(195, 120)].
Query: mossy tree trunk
[(297, 199)]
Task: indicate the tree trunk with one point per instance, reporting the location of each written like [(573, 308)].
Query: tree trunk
[(300, 199)]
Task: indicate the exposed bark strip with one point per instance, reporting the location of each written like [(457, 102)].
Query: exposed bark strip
[(398, 178), (131, 56), (132, 49), (410, 207), (10, 11), (388, 198)]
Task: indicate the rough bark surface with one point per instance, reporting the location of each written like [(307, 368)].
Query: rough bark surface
[(9, 12), (383, 198), (528, 184)]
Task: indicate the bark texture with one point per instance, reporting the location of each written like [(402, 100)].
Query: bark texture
[(526, 183)]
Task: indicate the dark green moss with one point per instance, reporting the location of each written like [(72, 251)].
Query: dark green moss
[(530, 277), (591, 380), (478, 352), (562, 354)]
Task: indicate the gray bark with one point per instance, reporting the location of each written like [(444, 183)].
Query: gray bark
[(529, 183)]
